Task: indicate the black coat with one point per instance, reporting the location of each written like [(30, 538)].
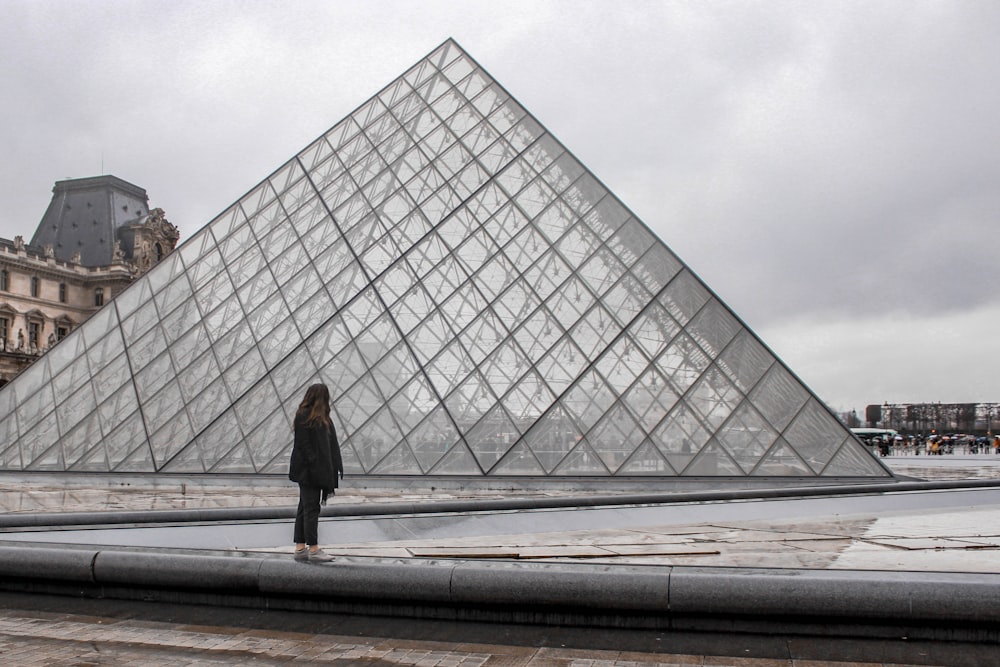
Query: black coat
[(315, 457)]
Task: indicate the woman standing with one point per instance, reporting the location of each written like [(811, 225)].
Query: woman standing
[(314, 465)]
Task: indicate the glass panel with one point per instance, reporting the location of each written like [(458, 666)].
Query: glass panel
[(410, 310), (745, 360), (587, 401), (615, 437), (355, 406), (746, 437), (516, 304), (852, 461), (547, 275), (128, 450), (492, 437), (601, 271), (208, 405), (595, 332), (815, 435), (238, 460), (151, 379), (646, 460), (281, 340), (196, 374), (257, 291), (32, 410), (650, 399), (713, 328), (413, 403), (483, 336), (146, 349), (172, 295), (518, 461), (137, 294), (449, 368), (778, 397), (714, 397), (782, 461), (680, 437), (586, 194), (139, 323), (561, 365), (269, 440), (293, 374), (630, 242), (577, 245), (527, 247), (583, 460), (114, 376), (72, 409), (656, 268), (684, 297), (179, 322), (538, 334), (458, 461), (244, 373), (682, 363), (170, 439), (395, 370), (470, 401), (314, 313), (65, 383), (712, 460), (551, 438), (118, 408), (528, 400), (463, 307), (237, 339), (343, 371), (92, 454), (162, 408), (255, 405), (326, 343), (37, 450)]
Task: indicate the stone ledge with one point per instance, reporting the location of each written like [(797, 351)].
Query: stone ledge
[(661, 596)]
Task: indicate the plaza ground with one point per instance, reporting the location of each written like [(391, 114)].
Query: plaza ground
[(934, 531)]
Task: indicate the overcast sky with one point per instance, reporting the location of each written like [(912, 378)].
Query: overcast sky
[(830, 169)]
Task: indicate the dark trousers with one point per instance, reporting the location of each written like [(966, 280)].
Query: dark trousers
[(307, 515)]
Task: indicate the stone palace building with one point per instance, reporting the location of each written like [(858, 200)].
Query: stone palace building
[(96, 237)]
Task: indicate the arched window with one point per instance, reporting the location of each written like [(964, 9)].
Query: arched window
[(36, 286), (62, 292), (159, 252), (99, 296)]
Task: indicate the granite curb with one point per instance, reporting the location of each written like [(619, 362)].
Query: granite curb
[(840, 602)]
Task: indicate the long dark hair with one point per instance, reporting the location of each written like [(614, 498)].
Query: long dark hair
[(315, 406)]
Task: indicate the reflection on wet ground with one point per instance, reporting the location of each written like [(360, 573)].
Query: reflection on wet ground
[(928, 531)]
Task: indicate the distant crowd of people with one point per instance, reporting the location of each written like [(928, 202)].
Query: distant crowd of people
[(934, 444)]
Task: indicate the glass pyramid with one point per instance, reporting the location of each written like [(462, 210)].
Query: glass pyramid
[(477, 301)]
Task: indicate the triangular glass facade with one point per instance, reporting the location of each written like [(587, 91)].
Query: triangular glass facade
[(477, 301)]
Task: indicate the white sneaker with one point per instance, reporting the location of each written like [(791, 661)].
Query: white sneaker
[(319, 556)]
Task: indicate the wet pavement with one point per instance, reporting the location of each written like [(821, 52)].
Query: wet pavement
[(933, 531)]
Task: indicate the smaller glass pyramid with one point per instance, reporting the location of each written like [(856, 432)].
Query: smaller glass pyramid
[(477, 301)]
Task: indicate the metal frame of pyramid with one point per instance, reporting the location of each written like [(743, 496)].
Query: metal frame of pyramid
[(477, 301)]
